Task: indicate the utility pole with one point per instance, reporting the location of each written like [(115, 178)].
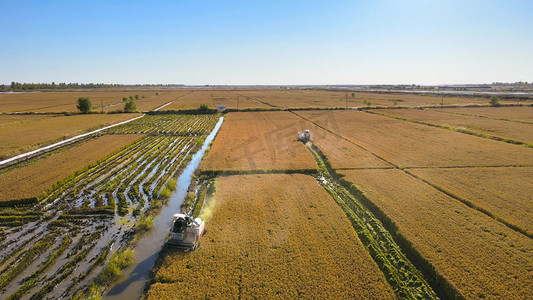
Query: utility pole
[(346, 97), (237, 102), (441, 102), (102, 104)]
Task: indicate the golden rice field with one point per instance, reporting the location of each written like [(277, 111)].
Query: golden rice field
[(476, 241), (33, 180), (267, 140), (501, 129), (214, 97), (297, 243), (479, 256), (320, 98), (154, 101), (408, 144), (22, 133), (341, 153), (447, 184), (503, 192), (523, 114), (259, 141)]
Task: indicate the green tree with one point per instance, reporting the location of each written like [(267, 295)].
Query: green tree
[(203, 107), (136, 97), (494, 101), (84, 105), (124, 99), (130, 106)]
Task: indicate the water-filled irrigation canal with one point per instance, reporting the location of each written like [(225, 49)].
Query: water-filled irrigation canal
[(151, 243)]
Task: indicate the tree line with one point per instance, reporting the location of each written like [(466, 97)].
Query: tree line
[(85, 104), (18, 86)]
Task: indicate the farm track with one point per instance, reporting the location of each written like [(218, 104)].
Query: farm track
[(93, 212), (12, 160), (406, 171)]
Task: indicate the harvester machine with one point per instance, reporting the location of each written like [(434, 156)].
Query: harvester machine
[(185, 232), (304, 136)]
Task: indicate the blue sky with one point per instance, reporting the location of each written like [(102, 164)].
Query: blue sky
[(267, 42)]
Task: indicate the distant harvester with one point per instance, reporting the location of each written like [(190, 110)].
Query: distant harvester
[(304, 136)]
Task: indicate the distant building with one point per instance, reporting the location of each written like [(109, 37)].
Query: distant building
[(221, 107)]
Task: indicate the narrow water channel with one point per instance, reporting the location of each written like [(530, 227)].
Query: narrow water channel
[(149, 245)]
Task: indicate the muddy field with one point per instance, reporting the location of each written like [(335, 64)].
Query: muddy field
[(80, 229)]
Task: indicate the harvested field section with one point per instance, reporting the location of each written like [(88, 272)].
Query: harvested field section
[(212, 98), (259, 141), (496, 128), (478, 256), (22, 133), (414, 145), (519, 113), (31, 181), (503, 192), (297, 243)]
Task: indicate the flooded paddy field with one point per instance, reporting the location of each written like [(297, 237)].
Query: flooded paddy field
[(80, 233)]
